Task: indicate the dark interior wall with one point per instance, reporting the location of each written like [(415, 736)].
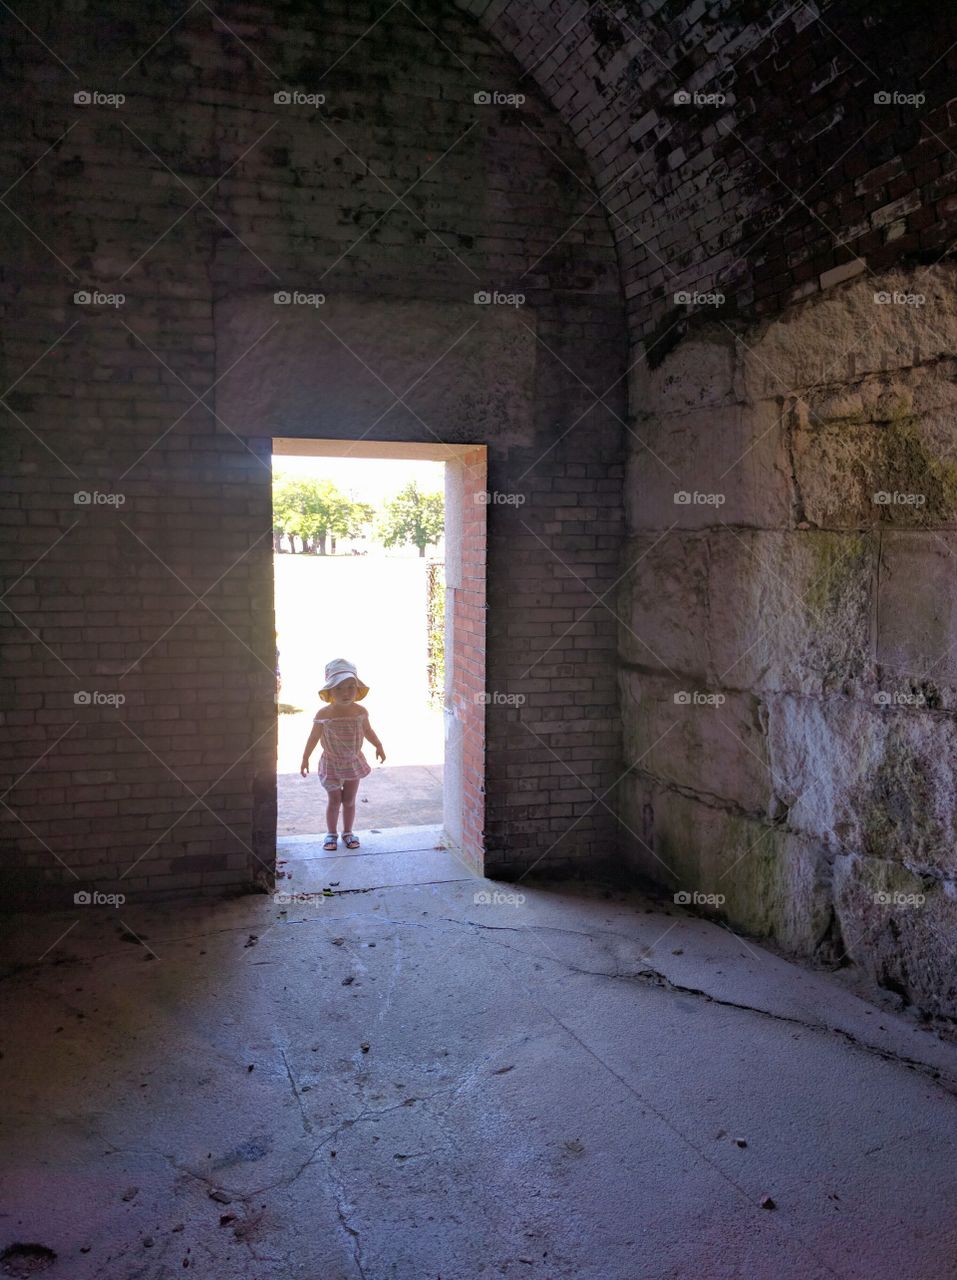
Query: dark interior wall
[(773, 235), (200, 195), (782, 187), (788, 634)]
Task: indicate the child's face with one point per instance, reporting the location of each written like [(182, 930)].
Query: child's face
[(345, 691)]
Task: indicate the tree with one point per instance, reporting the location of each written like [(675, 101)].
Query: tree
[(353, 519), (314, 510), (322, 504), (412, 517), (285, 510)]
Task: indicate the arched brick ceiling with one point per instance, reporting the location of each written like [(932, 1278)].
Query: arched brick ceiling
[(609, 70), (703, 196)]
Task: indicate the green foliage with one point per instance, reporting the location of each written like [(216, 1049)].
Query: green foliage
[(436, 632), (314, 509), (412, 518)]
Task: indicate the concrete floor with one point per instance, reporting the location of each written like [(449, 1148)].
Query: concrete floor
[(446, 1082), (382, 860)]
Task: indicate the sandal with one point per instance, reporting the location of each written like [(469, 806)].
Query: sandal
[(331, 842), (349, 840)]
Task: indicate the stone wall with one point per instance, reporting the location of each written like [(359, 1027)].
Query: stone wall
[(198, 198), (789, 639), (754, 157)]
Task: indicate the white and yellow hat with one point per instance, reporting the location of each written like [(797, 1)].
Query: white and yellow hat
[(336, 671)]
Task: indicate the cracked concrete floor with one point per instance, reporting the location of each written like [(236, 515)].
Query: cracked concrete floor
[(407, 1084)]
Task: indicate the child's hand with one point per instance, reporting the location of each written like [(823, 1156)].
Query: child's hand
[(304, 767), (380, 755)]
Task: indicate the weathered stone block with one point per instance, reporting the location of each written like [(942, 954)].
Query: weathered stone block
[(662, 603), (711, 466), (880, 452), (706, 741), (774, 883), (699, 372), (901, 928), (471, 371), (789, 611), (868, 778), (835, 468), (917, 605), (842, 335)]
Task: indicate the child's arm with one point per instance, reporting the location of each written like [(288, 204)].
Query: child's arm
[(370, 735), (314, 737)]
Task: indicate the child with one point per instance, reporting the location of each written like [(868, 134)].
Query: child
[(342, 726)]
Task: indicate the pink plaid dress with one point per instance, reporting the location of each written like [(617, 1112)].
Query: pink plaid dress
[(342, 759)]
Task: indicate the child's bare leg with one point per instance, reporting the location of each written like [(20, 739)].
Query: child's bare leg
[(332, 810), (349, 792)]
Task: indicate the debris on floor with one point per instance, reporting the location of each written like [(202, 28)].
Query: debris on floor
[(24, 1260)]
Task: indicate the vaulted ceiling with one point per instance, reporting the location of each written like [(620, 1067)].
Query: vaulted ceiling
[(707, 193)]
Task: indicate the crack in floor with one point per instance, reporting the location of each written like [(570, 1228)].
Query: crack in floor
[(648, 975), (306, 1122), (651, 976), (693, 1146), (343, 1209)]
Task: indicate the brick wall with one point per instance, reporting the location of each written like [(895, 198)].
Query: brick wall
[(794, 181), (779, 170), (469, 690), (158, 590)]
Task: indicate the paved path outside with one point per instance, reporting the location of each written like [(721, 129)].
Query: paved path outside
[(402, 795)]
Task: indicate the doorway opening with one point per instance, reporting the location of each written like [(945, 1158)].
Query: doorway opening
[(379, 559)]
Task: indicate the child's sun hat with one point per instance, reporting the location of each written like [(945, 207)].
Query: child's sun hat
[(336, 671)]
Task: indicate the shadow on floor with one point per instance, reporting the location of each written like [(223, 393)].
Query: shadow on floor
[(475, 1081)]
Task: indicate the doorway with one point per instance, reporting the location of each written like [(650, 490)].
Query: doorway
[(379, 559)]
